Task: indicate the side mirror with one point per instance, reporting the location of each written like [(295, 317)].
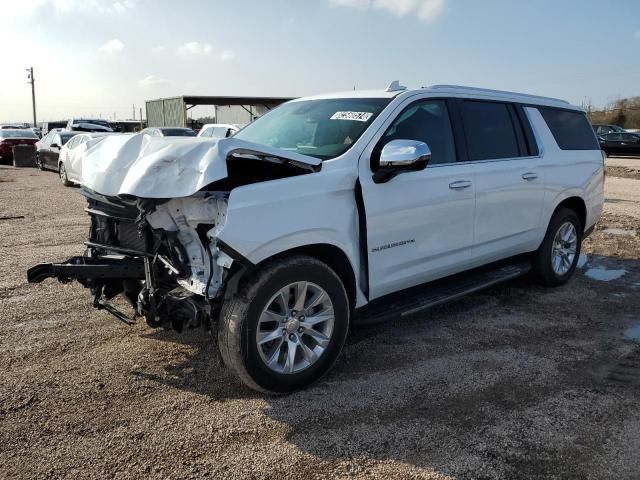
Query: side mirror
[(55, 145), (400, 156)]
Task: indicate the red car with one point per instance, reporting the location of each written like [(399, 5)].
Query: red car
[(11, 138)]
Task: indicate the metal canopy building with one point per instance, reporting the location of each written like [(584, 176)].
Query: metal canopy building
[(173, 111)]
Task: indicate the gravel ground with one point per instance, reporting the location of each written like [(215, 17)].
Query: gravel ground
[(514, 382)]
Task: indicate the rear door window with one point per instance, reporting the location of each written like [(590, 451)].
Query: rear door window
[(570, 128), (490, 130)]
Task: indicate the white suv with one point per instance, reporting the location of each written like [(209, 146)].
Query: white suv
[(333, 210)]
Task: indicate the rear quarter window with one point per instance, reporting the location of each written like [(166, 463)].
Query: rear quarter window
[(570, 129)]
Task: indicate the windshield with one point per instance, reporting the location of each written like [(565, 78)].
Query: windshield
[(178, 132), (320, 128), (65, 137), (17, 134), (94, 121)]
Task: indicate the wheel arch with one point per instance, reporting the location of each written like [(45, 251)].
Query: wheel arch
[(578, 205), (334, 257)]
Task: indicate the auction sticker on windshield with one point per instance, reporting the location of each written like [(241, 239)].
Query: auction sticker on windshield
[(357, 116)]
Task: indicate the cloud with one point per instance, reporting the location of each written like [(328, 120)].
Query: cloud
[(195, 49), (425, 10), (227, 55), (27, 8), (361, 4), (158, 49), (112, 46), (153, 81)]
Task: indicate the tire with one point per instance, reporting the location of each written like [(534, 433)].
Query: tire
[(63, 175), (240, 323), (543, 262)]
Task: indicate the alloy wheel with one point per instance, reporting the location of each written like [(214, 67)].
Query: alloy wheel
[(564, 248), (295, 327)]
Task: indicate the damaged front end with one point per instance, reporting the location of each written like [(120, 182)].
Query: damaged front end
[(157, 208), (162, 255)]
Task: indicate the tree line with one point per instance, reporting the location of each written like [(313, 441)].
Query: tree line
[(624, 112)]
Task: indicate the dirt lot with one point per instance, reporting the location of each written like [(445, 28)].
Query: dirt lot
[(514, 382)]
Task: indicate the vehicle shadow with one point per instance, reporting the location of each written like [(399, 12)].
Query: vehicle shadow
[(464, 389)]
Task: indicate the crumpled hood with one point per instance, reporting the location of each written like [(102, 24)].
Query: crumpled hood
[(168, 167)]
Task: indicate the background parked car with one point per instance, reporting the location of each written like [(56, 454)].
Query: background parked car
[(620, 143), (10, 138), (218, 130), (49, 126), (603, 129), (70, 159), (168, 132), (48, 149), (89, 125), (12, 126)]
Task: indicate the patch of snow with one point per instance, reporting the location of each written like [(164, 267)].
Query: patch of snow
[(582, 260), (602, 274), (633, 333), (617, 231)]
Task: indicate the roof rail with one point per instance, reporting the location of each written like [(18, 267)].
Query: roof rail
[(501, 92)]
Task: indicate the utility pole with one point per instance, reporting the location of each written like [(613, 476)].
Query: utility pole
[(134, 111), (32, 81)]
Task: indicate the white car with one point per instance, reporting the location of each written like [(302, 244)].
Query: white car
[(332, 210), (70, 158), (219, 130)]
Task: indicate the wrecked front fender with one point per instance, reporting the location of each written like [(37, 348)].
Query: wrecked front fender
[(170, 167)]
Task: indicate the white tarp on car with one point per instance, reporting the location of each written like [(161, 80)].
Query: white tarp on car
[(166, 167)]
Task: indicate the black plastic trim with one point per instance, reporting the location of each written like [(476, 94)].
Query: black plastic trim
[(237, 256), (363, 243)]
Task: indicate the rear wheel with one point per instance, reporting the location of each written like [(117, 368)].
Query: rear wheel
[(286, 326), (556, 259), (62, 171)]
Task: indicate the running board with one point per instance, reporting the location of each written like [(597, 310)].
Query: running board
[(428, 295)]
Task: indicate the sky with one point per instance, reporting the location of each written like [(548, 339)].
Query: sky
[(101, 57)]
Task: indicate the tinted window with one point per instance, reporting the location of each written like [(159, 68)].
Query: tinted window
[(630, 138), (178, 132), (489, 130), (65, 137), (570, 129), (17, 134), (428, 122)]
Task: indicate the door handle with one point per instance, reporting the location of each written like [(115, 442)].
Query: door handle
[(529, 176), (460, 185)]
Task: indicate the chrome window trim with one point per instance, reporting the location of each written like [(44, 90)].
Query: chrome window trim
[(493, 160)]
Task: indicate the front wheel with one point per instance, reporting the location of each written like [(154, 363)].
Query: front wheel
[(63, 175), (557, 258), (286, 326)]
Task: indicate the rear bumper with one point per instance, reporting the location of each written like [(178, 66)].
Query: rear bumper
[(85, 269)]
